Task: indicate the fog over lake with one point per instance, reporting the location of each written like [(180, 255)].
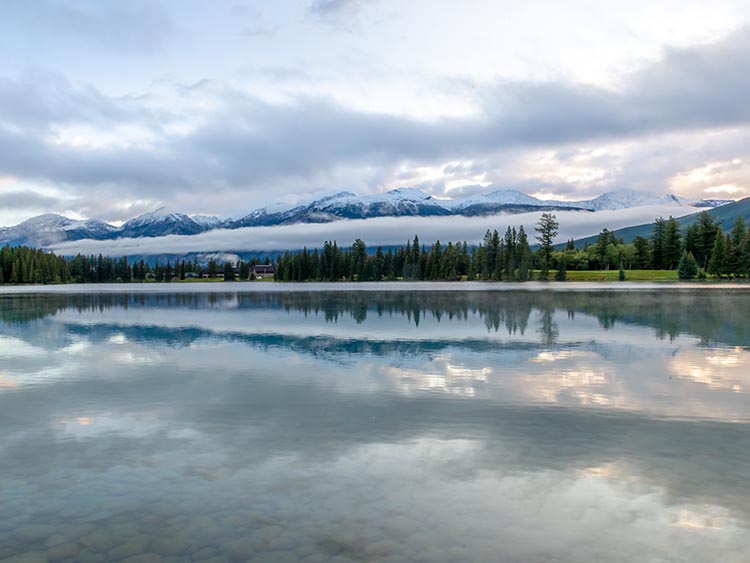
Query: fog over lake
[(381, 422)]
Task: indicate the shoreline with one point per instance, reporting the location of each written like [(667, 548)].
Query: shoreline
[(416, 286)]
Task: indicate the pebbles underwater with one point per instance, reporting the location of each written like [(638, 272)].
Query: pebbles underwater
[(419, 428)]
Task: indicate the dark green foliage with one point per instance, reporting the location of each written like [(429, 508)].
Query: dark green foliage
[(657, 244), (688, 266), (497, 258), (228, 272), (621, 273), (547, 229), (736, 247), (642, 253), (717, 265), (604, 243), (22, 264), (509, 258), (213, 269), (671, 244), (562, 273), (244, 270), (706, 237)]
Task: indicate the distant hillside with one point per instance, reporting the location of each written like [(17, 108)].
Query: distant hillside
[(49, 229), (725, 215)]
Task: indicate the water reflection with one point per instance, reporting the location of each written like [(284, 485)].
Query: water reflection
[(352, 427)]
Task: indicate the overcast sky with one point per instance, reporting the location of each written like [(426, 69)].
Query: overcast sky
[(110, 109)]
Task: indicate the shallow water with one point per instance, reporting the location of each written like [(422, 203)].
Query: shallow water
[(427, 425)]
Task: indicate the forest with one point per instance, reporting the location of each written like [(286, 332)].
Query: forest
[(701, 250)]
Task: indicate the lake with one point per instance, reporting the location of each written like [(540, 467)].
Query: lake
[(383, 422)]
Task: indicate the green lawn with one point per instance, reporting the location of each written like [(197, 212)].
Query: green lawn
[(203, 280), (613, 275)]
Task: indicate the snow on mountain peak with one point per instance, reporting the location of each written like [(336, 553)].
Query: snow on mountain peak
[(409, 194), (208, 221), (51, 228)]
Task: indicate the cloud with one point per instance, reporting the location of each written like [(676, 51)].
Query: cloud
[(28, 199), (259, 31), (382, 231), (38, 101), (327, 8), (135, 26), (213, 136)]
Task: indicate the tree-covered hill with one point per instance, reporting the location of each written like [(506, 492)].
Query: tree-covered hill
[(725, 216)]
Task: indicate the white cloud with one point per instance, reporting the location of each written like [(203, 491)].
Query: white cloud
[(375, 232), (476, 95)]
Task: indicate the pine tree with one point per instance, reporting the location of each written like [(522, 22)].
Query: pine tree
[(547, 228), (657, 244), (706, 239), (642, 253), (228, 272), (671, 244), (562, 273), (688, 266), (735, 261), (523, 251), (717, 264)]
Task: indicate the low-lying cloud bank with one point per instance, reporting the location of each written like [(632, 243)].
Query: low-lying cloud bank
[(381, 231)]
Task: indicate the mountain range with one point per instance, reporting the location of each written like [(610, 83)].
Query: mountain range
[(49, 229)]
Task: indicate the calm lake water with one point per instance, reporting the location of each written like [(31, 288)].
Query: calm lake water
[(382, 425)]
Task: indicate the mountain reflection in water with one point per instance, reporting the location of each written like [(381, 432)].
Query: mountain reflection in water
[(365, 426)]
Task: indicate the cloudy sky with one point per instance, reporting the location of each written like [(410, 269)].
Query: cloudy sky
[(110, 109)]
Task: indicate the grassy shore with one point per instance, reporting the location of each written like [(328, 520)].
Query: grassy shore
[(613, 275), (572, 276)]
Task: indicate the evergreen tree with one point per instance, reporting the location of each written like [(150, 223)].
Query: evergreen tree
[(547, 228), (688, 266), (706, 239), (244, 270), (657, 244), (213, 269), (562, 273), (523, 251), (671, 244), (717, 265), (642, 253), (228, 272), (735, 261), (604, 240)]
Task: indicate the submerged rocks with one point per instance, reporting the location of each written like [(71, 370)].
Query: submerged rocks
[(144, 558), (62, 551), (33, 533), (28, 557)]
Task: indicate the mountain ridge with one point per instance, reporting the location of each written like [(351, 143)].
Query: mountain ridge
[(48, 229), (724, 215)]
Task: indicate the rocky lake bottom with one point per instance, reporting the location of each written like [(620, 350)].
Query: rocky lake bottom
[(396, 426)]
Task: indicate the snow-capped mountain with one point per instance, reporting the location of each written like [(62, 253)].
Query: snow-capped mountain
[(158, 223), (50, 229), (712, 202), (208, 221), (625, 199), (346, 205), (506, 201)]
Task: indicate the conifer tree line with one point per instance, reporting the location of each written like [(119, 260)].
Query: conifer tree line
[(103, 269), (24, 265), (702, 249), (507, 257)]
